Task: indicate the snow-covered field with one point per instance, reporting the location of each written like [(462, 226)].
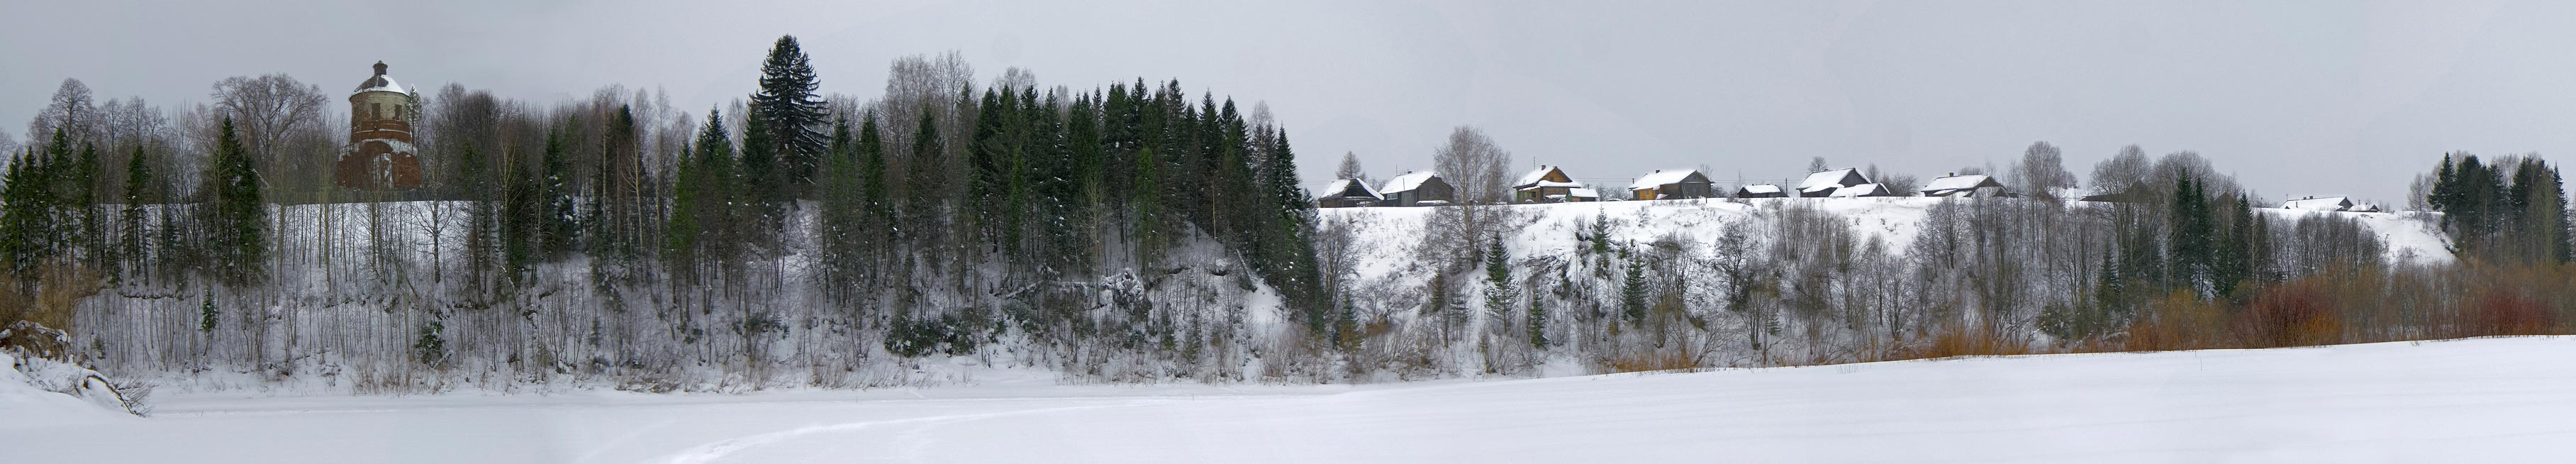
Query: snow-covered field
[(2482, 400)]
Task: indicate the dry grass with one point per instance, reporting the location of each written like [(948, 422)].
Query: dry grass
[(1954, 341), (48, 303), (1650, 360), (2181, 321)]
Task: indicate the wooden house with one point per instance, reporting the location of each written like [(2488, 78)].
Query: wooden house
[(1962, 186), (1670, 185), (1761, 191), (1547, 184), (1423, 188), (1864, 190), (2332, 204), (1347, 193), (1826, 183)]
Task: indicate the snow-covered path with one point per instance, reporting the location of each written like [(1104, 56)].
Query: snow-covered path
[(2455, 401)]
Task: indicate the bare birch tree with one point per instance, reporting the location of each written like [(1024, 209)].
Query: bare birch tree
[(1475, 168)]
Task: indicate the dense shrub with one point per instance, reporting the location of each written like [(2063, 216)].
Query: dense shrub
[(2507, 312), (2294, 314)]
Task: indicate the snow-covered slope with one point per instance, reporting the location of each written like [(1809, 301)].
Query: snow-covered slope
[(23, 404), (2483, 400)]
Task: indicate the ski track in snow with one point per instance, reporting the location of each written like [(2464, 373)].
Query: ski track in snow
[(919, 443)]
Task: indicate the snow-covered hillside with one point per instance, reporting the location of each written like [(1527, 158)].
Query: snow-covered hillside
[(2479, 400), (1761, 282)]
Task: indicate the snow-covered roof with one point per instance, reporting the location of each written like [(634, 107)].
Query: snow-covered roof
[(1406, 183), (1761, 188), (1971, 181), (1582, 193), (1536, 175), (1337, 187), (2319, 204), (1549, 183), (1662, 178), (1833, 179), (380, 83), (1862, 190)]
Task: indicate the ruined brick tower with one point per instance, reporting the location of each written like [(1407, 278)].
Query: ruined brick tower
[(380, 156)]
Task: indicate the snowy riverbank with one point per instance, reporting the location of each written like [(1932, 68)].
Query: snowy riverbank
[(2461, 401)]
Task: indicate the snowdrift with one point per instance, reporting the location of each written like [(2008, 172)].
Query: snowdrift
[(31, 401)]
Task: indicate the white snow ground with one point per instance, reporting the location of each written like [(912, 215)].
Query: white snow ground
[(2481, 400)]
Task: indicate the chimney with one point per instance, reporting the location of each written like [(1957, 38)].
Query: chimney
[(380, 68)]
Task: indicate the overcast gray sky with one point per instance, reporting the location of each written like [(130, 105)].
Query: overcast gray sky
[(2295, 98)]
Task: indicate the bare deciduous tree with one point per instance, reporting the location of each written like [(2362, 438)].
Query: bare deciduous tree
[(1475, 168), (2041, 171), (281, 121), (73, 110), (1350, 168), (2122, 172)]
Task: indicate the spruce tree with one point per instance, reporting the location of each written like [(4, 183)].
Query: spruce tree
[(681, 232), (234, 227), (2190, 234), (764, 193), (837, 224), (1146, 203), (1499, 295), (207, 316), (872, 180), (558, 226), (79, 207), (1537, 324), (987, 177), (473, 184), (1632, 290), (23, 215), (134, 235), (522, 213), (927, 185), (792, 117)]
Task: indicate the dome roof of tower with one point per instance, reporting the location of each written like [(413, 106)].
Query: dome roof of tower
[(380, 83)]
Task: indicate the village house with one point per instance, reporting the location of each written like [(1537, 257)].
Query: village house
[(1826, 183), (1416, 189), (2330, 204), (1347, 193), (1760, 191), (1670, 185), (1548, 184), (1955, 185), (1864, 190)]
